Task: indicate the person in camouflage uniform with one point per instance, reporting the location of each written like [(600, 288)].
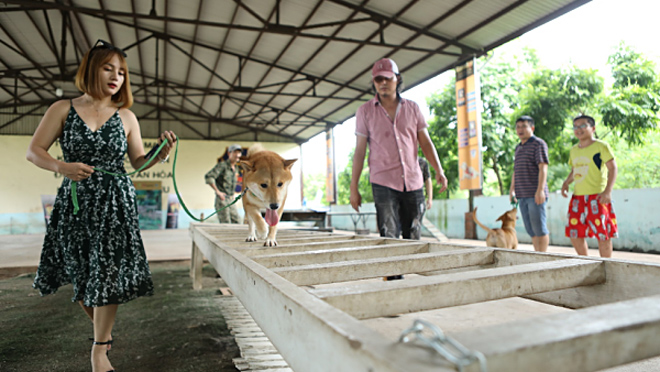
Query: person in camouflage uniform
[(222, 179)]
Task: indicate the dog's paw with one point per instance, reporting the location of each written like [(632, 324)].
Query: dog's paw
[(251, 238), (270, 243)]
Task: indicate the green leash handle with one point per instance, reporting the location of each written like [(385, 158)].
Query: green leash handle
[(74, 194)]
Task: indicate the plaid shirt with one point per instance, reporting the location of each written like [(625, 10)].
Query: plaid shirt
[(392, 144)]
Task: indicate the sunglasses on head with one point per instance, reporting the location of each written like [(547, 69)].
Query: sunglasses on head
[(105, 45)]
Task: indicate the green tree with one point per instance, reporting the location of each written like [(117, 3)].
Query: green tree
[(500, 78), (630, 67), (631, 111), (344, 182), (501, 81), (511, 87), (639, 166), (313, 184), (442, 130), (553, 98)]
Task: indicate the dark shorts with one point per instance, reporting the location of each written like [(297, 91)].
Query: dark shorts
[(399, 213), (533, 216), (588, 218)]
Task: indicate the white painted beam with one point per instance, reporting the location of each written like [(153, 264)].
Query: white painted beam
[(311, 335), (340, 254), (584, 340), (311, 246), (377, 267), (376, 299), (314, 336), (239, 240)]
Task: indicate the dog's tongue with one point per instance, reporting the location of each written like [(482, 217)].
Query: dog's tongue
[(271, 217)]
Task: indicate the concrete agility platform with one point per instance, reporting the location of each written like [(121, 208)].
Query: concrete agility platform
[(321, 301)]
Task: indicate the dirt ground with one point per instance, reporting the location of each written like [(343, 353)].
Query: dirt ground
[(177, 329)]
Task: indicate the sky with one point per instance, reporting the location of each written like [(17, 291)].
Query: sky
[(584, 37)]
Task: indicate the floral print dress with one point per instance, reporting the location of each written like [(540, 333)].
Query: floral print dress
[(99, 250)]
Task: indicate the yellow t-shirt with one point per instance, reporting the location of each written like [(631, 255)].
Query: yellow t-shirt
[(589, 169)]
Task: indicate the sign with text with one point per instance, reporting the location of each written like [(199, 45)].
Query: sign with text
[(468, 104), (148, 197)]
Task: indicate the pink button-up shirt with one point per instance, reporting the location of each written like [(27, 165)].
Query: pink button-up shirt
[(392, 143)]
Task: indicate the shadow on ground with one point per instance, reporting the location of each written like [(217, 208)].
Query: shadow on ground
[(177, 329)]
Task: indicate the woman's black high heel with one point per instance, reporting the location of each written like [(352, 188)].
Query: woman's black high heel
[(103, 343)]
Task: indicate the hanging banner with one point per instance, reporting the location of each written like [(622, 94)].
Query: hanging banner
[(468, 103)]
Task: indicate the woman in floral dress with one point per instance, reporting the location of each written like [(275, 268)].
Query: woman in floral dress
[(98, 248)]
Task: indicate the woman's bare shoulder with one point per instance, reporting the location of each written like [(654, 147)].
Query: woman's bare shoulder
[(127, 115), (61, 106)]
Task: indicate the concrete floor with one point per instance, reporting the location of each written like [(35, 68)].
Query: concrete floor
[(160, 245), (20, 253)]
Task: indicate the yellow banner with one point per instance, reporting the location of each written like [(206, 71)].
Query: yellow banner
[(468, 103)]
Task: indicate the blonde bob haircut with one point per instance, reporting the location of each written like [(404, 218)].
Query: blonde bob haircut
[(87, 77)]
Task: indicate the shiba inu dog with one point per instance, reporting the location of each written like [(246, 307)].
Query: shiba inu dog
[(266, 178), (505, 237)]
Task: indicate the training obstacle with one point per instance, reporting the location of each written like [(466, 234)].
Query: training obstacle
[(320, 300)]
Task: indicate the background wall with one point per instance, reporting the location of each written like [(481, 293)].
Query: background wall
[(639, 230), (22, 183)]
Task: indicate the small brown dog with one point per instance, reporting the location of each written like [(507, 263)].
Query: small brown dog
[(505, 237), (266, 179)]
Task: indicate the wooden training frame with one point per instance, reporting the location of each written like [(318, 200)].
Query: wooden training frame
[(320, 299)]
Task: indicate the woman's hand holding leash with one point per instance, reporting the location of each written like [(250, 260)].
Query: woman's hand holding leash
[(76, 171), (165, 151)]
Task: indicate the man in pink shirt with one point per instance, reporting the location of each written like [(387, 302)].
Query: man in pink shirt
[(393, 127)]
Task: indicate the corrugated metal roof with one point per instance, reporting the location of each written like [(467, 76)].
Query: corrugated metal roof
[(267, 70)]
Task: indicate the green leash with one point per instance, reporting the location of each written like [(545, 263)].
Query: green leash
[(176, 190), (74, 184)]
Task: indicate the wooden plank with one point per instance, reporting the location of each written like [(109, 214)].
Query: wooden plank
[(340, 254), (309, 333), (312, 246), (240, 237), (597, 337), (239, 233), (226, 291), (374, 299), (377, 267), (312, 334), (197, 263)]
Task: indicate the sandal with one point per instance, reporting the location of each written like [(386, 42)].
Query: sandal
[(103, 343), (109, 343)]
